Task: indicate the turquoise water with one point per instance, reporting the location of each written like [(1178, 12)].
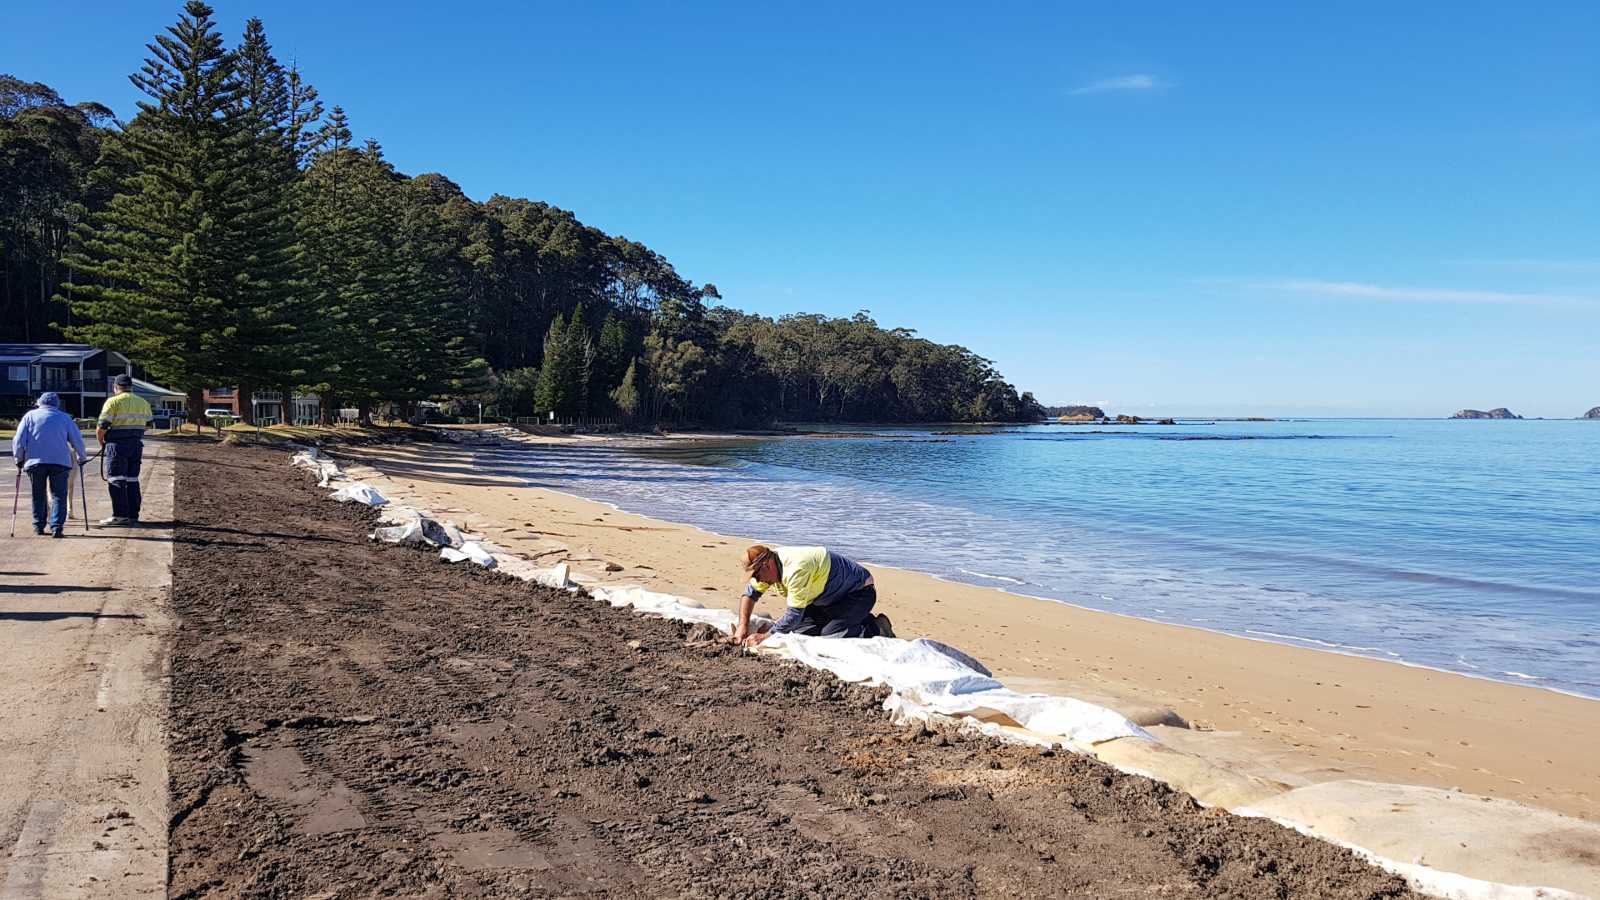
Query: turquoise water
[(1467, 546)]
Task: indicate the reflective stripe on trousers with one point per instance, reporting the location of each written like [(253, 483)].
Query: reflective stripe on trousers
[(123, 458)]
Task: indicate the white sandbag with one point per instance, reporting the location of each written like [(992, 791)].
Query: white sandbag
[(469, 550), (419, 529), (311, 458), (358, 492), (558, 576)]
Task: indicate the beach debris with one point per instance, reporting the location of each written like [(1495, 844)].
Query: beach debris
[(704, 633), (419, 529), (365, 494), (469, 550)]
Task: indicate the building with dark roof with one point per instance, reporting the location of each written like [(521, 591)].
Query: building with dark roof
[(81, 374)]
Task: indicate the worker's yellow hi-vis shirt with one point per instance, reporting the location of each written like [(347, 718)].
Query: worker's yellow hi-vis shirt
[(125, 410), (805, 574)]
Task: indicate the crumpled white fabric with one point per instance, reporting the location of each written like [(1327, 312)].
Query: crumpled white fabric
[(311, 458), (928, 677), (359, 492), (665, 605), (469, 550), (417, 528)]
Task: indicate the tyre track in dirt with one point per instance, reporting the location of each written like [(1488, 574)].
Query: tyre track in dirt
[(350, 719)]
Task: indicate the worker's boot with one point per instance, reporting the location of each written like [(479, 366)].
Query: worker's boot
[(113, 520), (57, 532), (884, 628)]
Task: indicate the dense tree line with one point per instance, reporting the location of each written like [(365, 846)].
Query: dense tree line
[(234, 233)]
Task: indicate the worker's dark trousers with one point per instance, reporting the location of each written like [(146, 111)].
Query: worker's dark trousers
[(123, 456), (849, 616)]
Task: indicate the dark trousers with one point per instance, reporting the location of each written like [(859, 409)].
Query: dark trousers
[(849, 616), (123, 457), (54, 477)]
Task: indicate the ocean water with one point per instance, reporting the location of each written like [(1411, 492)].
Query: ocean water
[(1471, 546)]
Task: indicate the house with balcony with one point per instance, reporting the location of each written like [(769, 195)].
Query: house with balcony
[(81, 374)]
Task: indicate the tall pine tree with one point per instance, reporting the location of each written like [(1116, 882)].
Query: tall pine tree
[(162, 283), (275, 306)]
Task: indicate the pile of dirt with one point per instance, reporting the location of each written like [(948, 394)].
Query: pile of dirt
[(351, 719)]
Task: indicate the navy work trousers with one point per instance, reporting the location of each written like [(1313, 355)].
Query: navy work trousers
[(53, 477), (848, 617), (123, 457)]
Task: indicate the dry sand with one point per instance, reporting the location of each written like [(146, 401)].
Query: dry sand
[(1267, 716)]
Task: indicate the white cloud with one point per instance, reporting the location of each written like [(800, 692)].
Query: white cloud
[(1362, 291), (1120, 84)]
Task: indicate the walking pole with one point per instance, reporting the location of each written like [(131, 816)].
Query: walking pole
[(16, 495), (83, 487)]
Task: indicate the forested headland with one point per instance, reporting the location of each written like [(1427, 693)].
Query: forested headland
[(235, 232)]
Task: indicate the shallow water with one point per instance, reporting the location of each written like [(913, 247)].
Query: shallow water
[(1472, 546)]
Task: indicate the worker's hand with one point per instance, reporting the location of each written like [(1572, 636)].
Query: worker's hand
[(738, 636), (756, 638)]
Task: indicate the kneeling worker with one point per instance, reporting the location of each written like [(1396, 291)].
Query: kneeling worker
[(828, 595)]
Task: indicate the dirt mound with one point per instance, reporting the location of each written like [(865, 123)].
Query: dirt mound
[(351, 719)]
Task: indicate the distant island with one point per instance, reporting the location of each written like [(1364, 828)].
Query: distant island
[(1075, 413), (1593, 413), (1499, 412)]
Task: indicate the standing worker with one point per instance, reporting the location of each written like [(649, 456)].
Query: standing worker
[(123, 420), (828, 594), (46, 438)]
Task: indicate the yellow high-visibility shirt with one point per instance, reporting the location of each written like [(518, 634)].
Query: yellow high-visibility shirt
[(125, 410), (805, 574)]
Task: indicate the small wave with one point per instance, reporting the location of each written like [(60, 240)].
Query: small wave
[(1329, 644), (1004, 578), (1524, 676)]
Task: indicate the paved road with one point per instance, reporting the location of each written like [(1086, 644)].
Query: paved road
[(83, 664)]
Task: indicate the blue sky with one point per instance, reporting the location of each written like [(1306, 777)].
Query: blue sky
[(1339, 209)]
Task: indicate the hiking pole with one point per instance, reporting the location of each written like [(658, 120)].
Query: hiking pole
[(16, 495), (83, 487)]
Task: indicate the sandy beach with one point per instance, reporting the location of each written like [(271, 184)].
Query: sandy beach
[(1262, 717)]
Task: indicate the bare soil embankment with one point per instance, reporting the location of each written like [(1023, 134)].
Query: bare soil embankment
[(350, 719)]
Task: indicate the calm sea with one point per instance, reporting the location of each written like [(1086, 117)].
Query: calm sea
[(1472, 546)]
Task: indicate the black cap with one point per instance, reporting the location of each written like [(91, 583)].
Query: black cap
[(122, 381)]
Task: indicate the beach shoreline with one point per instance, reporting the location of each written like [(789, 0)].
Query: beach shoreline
[(1270, 715)]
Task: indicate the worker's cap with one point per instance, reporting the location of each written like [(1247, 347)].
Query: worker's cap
[(755, 555), (50, 399), (123, 381)]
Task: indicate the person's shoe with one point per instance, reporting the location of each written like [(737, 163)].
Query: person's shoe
[(39, 530), (114, 520), (884, 628), (57, 532)]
